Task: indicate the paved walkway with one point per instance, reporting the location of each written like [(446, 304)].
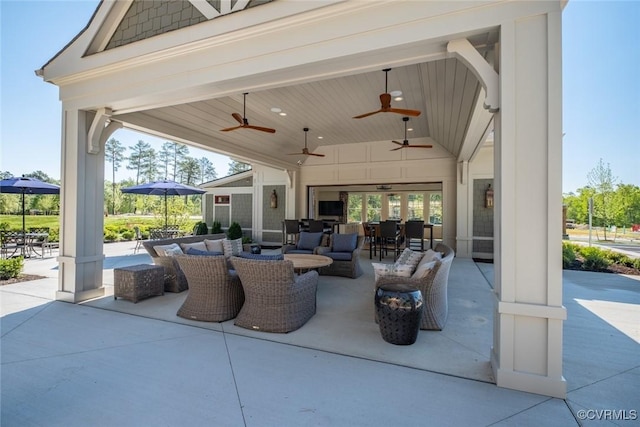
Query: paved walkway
[(76, 365)]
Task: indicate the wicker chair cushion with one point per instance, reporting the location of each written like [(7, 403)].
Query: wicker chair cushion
[(309, 241), (263, 257), (300, 251), (431, 255), (339, 256), (214, 245), (168, 250), (197, 245), (194, 251), (391, 270), (232, 247), (344, 242)]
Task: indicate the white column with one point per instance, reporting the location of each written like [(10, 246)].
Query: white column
[(527, 342), (82, 211)]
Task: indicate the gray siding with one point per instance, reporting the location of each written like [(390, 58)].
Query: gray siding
[(242, 210), (272, 218), (223, 216), (482, 217)]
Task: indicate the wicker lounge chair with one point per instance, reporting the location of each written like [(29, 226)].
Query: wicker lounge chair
[(433, 288), (276, 300), (215, 294), (345, 263)]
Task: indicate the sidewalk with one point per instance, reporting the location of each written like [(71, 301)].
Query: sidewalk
[(77, 365)]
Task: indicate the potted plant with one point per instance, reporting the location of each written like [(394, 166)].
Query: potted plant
[(200, 228), (216, 228), (234, 232)]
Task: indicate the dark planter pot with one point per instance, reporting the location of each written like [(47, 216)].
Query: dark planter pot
[(399, 309)]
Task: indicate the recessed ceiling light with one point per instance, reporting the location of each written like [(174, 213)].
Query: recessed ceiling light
[(409, 129), (321, 137), (398, 98), (395, 93), (276, 109), (283, 114)]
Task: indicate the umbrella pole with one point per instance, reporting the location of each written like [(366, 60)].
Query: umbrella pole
[(23, 227), (166, 215)]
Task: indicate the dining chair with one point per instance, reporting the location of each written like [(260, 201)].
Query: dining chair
[(291, 231), (414, 235), (316, 226), (136, 229), (389, 235)]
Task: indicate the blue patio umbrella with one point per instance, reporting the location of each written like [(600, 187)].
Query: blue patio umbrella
[(24, 185), (163, 188)]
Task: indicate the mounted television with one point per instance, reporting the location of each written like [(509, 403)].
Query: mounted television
[(330, 207)]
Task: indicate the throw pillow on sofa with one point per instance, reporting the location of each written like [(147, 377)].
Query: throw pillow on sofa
[(232, 247), (410, 258), (194, 251), (381, 269), (309, 241), (344, 242), (214, 245), (423, 268), (168, 250), (197, 245)]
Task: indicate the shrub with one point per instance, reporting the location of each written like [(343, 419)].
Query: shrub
[(128, 235), (594, 259), (615, 257), (10, 268), (568, 255), (636, 263), (216, 227), (234, 231), (110, 235), (200, 228)]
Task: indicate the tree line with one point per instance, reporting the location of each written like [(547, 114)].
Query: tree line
[(614, 203), (171, 162)]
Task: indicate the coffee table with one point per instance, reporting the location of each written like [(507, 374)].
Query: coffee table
[(306, 262)]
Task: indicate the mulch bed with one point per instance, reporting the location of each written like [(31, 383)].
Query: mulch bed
[(21, 278)]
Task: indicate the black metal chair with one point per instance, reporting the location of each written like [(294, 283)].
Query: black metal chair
[(414, 235), (389, 235), (316, 226), (370, 238), (291, 231), (138, 239)]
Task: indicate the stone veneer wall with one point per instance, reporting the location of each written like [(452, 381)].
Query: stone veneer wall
[(272, 218), (482, 217)]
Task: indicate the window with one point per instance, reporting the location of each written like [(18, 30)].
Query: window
[(435, 208), (415, 206), (354, 208), (374, 207), (395, 201)]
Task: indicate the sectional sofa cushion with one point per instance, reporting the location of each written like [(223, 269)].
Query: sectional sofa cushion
[(197, 245), (194, 251), (232, 247), (168, 250), (263, 257), (214, 245)]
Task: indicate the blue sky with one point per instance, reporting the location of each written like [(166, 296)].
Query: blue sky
[(601, 88)]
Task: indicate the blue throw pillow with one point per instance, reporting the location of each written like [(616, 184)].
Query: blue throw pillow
[(263, 257), (344, 242), (309, 241), (194, 251)]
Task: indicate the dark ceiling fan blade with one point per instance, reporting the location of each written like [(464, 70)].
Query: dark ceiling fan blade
[(314, 154), (232, 128), (269, 130), (419, 146), (238, 117), (412, 113), (396, 142), (399, 148), (361, 116)]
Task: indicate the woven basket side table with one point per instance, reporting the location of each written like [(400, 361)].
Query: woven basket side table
[(137, 282), (399, 308)]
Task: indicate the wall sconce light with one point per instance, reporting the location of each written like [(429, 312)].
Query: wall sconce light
[(274, 200), (488, 197)]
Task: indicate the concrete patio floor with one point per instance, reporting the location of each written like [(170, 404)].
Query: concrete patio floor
[(108, 363)]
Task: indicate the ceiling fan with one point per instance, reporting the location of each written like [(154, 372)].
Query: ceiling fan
[(305, 150), (385, 102), (244, 123), (405, 143)]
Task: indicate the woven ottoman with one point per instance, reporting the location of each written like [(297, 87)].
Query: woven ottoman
[(137, 282)]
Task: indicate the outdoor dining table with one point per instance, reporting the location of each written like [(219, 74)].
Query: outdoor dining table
[(24, 244), (374, 232)]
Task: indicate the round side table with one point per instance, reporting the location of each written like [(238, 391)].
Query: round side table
[(399, 309)]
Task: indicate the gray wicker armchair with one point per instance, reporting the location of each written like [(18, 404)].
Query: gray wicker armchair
[(215, 293), (433, 288), (276, 300), (346, 264)]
